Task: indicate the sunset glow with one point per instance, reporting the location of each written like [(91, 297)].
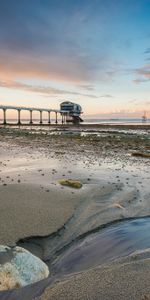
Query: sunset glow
[(95, 53)]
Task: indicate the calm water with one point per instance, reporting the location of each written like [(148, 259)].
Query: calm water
[(117, 121), (108, 244), (137, 121)]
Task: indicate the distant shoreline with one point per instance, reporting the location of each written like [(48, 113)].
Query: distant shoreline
[(81, 126), (86, 122)]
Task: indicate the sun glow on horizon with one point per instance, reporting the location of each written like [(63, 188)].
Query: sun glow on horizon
[(93, 53)]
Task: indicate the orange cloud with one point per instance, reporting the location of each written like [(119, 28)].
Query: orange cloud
[(52, 68)]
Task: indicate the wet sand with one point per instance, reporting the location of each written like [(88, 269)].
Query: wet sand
[(115, 186), (32, 211)]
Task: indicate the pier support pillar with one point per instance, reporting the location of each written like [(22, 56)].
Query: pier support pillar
[(49, 117), (4, 119), (56, 118), (62, 118), (31, 121), (41, 121), (19, 121)]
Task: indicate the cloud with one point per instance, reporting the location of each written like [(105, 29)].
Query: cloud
[(41, 89), (135, 101), (88, 87), (60, 40), (144, 71), (147, 103), (143, 74), (106, 96), (139, 103), (138, 80), (69, 41), (147, 51), (53, 68), (42, 39)]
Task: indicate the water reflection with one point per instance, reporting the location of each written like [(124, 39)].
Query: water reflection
[(110, 243)]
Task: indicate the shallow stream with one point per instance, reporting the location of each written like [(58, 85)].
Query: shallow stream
[(112, 242)]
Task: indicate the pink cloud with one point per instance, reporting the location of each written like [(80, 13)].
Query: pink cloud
[(48, 90), (143, 73)]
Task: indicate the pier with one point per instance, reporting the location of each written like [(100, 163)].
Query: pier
[(56, 112)]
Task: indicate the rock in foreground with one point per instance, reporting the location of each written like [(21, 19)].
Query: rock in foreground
[(18, 268), (72, 183)]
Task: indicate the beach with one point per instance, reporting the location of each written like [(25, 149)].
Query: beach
[(40, 214)]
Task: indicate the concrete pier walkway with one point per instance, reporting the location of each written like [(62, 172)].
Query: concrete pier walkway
[(31, 109)]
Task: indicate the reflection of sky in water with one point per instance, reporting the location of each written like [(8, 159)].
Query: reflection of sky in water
[(114, 241)]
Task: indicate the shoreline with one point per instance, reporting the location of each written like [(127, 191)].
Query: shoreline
[(63, 126)]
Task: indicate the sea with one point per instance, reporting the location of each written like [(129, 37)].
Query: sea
[(133, 121), (117, 121)]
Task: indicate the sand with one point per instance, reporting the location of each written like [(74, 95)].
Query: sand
[(115, 186), (26, 210)]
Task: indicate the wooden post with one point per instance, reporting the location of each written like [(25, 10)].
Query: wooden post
[(49, 117), (4, 114), (62, 118), (41, 117), (19, 122), (56, 118), (31, 121)]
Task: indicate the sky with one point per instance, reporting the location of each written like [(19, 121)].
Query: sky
[(95, 53)]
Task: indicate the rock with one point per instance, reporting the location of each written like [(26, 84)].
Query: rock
[(72, 183), (18, 268), (141, 154)]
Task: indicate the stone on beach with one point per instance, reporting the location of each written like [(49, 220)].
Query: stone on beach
[(141, 154), (18, 268), (72, 183)]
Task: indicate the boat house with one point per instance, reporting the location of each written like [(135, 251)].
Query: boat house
[(72, 111)]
